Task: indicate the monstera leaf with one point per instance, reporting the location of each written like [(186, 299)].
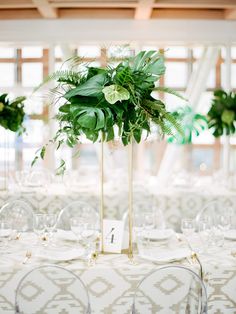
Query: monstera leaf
[(114, 93), (192, 124), (91, 88)]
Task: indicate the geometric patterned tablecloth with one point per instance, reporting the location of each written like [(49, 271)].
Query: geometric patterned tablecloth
[(175, 203), (112, 281)]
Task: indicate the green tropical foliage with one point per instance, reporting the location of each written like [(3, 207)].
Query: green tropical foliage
[(192, 123), (98, 101), (12, 113), (222, 114)]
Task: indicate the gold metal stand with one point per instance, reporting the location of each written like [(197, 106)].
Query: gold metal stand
[(102, 192), (130, 212), (130, 183)]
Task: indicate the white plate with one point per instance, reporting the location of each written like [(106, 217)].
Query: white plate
[(157, 234), (60, 256), (230, 234), (167, 256)]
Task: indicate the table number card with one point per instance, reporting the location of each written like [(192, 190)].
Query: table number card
[(113, 231)]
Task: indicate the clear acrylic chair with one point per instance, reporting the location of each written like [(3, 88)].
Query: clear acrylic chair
[(19, 213), (76, 209), (170, 290), (51, 289), (212, 212)]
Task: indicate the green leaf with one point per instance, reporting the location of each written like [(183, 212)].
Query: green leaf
[(91, 118), (61, 169), (91, 88), (169, 91), (34, 161), (137, 135), (42, 152), (228, 116), (114, 93), (18, 101)]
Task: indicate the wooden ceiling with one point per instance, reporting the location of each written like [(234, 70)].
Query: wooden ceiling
[(112, 9)]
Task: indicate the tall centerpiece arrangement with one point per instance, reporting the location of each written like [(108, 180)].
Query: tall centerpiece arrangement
[(11, 119), (193, 124), (222, 120), (113, 102)]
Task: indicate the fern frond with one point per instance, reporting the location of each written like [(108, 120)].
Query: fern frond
[(66, 76), (169, 91)]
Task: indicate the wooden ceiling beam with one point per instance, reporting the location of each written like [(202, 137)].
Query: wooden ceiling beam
[(13, 14), (95, 4), (45, 9), (198, 4), (144, 9), (210, 14), (105, 13), (230, 14)]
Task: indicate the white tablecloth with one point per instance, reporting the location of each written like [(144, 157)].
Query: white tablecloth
[(112, 281), (175, 203)]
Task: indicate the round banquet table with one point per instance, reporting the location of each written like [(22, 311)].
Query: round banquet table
[(112, 280), (176, 203)]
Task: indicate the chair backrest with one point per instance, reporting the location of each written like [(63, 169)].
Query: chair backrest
[(170, 289), (76, 209), (19, 213), (141, 212), (211, 212), (51, 289)]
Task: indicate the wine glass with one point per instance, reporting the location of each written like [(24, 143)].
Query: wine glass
[(50, 221), (89, 235), (77, 227), (223, 222), (149, 224), (187, 227), (39, 226)]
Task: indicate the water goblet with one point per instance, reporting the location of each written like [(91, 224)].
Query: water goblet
[(89, 235), (77, 227), (187, 227), (149, 224), (39, 227), (50, 221)]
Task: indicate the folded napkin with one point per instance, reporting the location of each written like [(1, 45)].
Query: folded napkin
[(158, 234), (60, 256), (166, 256)]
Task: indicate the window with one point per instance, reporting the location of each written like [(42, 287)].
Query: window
[(24, 68)]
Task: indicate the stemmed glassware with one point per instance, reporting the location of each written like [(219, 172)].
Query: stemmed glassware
[(50, 221), (187, 227), (85, 231), (89, 235), (39, 227), (44, 224), (77, 227)]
